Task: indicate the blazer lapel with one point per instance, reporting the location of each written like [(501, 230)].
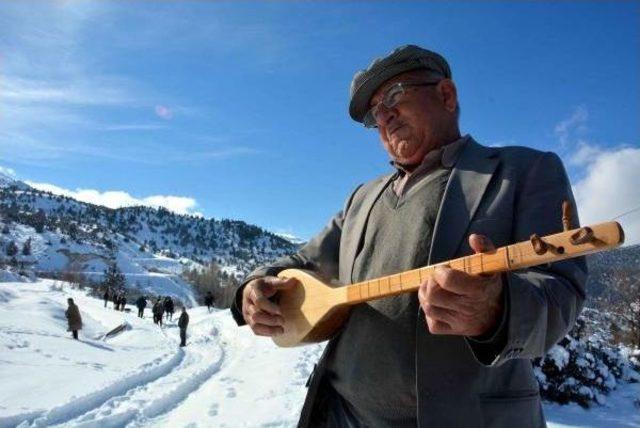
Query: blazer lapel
[(468, 182), (357, 232)]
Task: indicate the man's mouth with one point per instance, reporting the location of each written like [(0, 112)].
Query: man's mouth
[(395, 128)]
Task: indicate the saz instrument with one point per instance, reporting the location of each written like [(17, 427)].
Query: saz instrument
[(314, 311)]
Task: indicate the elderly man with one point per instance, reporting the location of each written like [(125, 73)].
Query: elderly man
[(457, 353)]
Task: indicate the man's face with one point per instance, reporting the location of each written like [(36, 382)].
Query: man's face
[(419, 122)]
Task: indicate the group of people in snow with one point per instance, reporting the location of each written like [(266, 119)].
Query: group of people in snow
[(119, 298), (162, 306)]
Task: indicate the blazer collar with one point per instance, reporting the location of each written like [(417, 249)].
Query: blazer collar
[(467, 184)]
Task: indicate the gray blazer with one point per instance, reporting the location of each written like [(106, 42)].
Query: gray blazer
[(506, 194)]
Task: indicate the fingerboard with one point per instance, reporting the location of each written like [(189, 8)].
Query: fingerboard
[(508, 258)]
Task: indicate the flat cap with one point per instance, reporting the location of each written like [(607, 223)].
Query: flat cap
[(400, 60)]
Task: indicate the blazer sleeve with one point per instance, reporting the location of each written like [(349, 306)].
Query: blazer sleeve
[(320, 255), (542, 303)]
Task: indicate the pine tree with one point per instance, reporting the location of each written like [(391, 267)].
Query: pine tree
[(113, 277), (12, 249), (26, 247), (39, 220)]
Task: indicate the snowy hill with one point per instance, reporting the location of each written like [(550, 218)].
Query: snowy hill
[(225, 377), (151, 246)]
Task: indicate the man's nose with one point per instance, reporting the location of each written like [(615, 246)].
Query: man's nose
[(385, 115)]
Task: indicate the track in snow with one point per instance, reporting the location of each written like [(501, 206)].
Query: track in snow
[(143, 401)]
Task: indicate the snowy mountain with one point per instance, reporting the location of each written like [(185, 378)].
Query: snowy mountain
[(6, 181), (612, 266), (151, 246)]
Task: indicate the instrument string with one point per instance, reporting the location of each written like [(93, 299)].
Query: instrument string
[(627, 212), (473, 261), (473, 264)]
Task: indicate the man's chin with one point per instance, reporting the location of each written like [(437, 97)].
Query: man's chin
[(404, 150)]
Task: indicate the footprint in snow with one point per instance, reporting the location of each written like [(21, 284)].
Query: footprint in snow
[(213, 410), (231, 392)]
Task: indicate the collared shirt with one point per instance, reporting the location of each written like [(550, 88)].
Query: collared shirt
[(445, 157)]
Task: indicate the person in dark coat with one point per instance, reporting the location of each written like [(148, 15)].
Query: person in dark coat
[(209, 301), (73, 318), (461, 345), (141, 303), (183, 322), (123, 301), (158, 312), (106, 296), (116, 300), (168, 307)]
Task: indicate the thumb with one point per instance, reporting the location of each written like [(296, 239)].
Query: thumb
[(274, 284), (480, 243)]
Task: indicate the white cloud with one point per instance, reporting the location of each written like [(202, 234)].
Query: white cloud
[(576, 123), (135, 127), (585, 154), (7, 171), (610, 187), (119, 199)]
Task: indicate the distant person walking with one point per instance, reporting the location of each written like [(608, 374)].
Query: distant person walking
[(116, 300), (209, 301), (158, 312), (73, 318), (122, 301), (168, 307), (141, 303), (183, 322), (106, 296)]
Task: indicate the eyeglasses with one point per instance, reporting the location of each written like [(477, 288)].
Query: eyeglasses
[(391, 97)]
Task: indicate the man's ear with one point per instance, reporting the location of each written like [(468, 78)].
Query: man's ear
[(448, 94)]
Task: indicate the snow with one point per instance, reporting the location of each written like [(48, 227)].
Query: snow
[(225, 377), (559, 355)]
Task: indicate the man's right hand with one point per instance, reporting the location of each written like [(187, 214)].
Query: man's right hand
[(264, 316)]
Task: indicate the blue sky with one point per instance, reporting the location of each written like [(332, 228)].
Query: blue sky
[(239, 109)]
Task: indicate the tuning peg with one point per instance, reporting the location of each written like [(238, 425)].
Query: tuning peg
[(582, 236), (566, 216), (540, 247)]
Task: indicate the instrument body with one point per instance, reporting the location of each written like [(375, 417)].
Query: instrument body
[(315, 311)]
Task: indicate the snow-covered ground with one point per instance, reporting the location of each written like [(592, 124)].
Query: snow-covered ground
[(141, 378)]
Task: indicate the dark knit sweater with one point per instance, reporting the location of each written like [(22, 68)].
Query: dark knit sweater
[(373, 366)]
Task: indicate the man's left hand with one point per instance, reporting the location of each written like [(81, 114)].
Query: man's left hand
[(461, 304)]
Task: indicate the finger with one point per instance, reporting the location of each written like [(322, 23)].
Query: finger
[(423, 291), (438, 313), (438, 327), (463, 284), (265, 330), (452, 280), (480, 243), (264, 304), (267, 319), (440, 297), (282, 283)]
